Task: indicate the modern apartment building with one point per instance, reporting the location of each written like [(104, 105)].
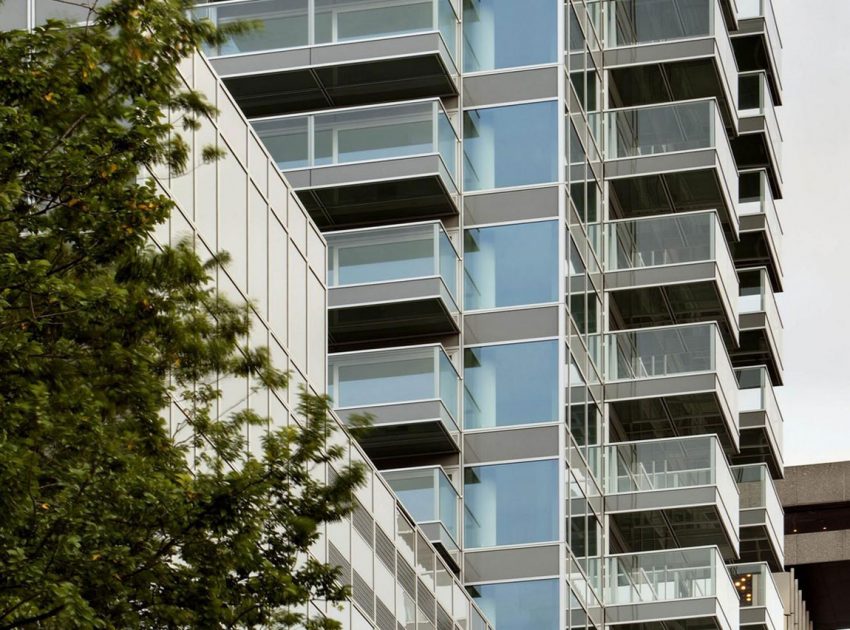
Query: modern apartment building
[(549, 249)]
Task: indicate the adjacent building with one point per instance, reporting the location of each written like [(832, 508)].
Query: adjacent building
[(538, 242)]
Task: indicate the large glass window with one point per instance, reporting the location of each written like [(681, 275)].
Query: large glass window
[(509, 34), (510, 265), (531, 605), (514, 145), (511, 384), (511, 504)]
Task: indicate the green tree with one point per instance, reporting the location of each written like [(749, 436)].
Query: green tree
[(103, 524)]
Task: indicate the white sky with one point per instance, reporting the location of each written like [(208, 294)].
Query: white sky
[(815, 214)]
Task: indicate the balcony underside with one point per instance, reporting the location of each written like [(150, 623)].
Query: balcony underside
[(757, 543), (674, 300), (637, 192), (390, 323), (692, 614), (698, 412), (650, 74), (339, 75), (375, 193), (758, 347), (753, 53), (673, 527), (404, 430), (758, 444), (753, 150), (757, 249)]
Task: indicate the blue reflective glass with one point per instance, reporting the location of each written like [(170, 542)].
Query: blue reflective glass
[(510, 384), (514, 145), (511, 504), (531, 605), (511, 265), (509, 34)]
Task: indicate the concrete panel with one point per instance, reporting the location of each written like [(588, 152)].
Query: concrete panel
[(513, 205), (497, 326), (511, 564), (508, 87), (526, 443), (663, 275), (417, 289), (663, 52), (815, 483), (662, 163)]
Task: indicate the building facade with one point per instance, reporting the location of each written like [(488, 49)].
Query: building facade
[(539, 242)]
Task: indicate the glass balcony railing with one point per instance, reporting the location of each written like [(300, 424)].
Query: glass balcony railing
[(756, 588), (428, 494), (670, 576), (749, 9), (674, 239), (758, 492), (392, 254), (670, 464), (668, 351), (361, 134), (756, 394), (755, 99), (637, 22), (286, 24), (755, 196), (393, 377), (756, 296)]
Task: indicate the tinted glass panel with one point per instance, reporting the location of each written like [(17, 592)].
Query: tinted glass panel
[(510, 146), (511, 265), (508, 34), (519, 605), (511, 384), (499, 502)]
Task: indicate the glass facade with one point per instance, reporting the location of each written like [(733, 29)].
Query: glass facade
[(530, 605), (498, 500)]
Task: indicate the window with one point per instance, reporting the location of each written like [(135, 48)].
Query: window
[(509, 34), (515, 145), (511, 265), (511, 504), (531, 605), (511, 384)]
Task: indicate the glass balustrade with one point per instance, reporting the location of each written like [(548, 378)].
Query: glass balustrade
[(395, 376), (756, 296), (758, 492), (755, 99), (361, 134), (283, 24), (756, 588), (428, 494), (749, 9), (668, 464), (756, 394), (675, 239), (669, 576), (392, 254)]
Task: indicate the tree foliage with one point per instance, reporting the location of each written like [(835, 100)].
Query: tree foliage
[(103, 524)]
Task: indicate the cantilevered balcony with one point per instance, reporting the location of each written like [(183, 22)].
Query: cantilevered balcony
[(761, 603), (762, 519), (432, 500), (677, 492), (671, 158), (757, 43), (760, 244), (691, 586), (368, 165), (671, 269), (674, 380), (759, 143), (392, 283), (761, 421), (671, 50), (412, 394), (312, 54), (760, 323)]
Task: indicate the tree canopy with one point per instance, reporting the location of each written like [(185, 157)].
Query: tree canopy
[(103, 523)]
